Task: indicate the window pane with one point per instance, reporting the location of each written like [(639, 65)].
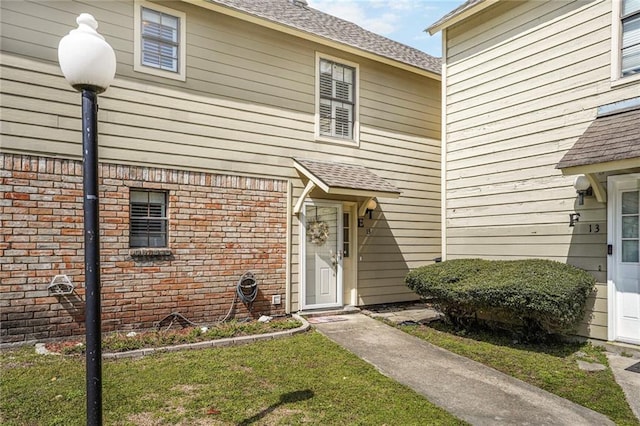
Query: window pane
[(151, 59), (325, 117), (160, 40), (150, 29), (149, 15), (170, 21), (345, 234), (630, 202), (631, 45), (326, 90), (169, 34), (168, 51), (156, 210), (630, 251), (150, 46), (325, 67), (631, 60), (348, 75), (343, 120), (139, 196), (631, 32), (630, 6), (167, 64), (138, 225), (630, 227), (343, 91), (156, 241), (139, 210), (137, 241), (338, 73)]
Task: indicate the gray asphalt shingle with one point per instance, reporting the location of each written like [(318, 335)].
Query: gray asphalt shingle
[(609, 138), (339, 175), (307, 19)]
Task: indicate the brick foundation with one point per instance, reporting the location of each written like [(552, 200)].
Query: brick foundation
[(219, 227)]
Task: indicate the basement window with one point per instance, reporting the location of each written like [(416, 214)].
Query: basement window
[(148, 219)]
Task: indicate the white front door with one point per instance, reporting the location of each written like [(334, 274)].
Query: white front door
[(624, 282), (321, 255)]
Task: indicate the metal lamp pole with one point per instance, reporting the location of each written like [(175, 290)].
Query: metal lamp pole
[(89, 63), (93, 323)]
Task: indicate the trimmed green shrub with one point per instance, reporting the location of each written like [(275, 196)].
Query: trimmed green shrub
[(532, 297)]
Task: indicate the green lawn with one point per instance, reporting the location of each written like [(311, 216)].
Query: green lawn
[(552, 367), (302, 379)]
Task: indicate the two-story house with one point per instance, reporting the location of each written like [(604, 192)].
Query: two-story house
[(238, 136), (541, 143)]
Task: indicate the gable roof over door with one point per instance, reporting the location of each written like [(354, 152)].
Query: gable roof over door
[(611, 142), (345, 179), (297, 18)]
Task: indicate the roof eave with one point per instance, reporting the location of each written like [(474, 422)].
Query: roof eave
[(341, 190), (464, 14), (608, 166), (245, 16)]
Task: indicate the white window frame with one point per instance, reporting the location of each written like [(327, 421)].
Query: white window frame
[(355, 140), (137, 43), (616, 47)]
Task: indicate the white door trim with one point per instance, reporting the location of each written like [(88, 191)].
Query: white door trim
[(352, 291), (613, 184), (303, 248)]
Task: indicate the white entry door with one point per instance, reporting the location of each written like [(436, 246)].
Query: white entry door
[(624, 283), (321, 255)]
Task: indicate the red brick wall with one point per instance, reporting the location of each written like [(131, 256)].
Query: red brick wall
[(219, 227)]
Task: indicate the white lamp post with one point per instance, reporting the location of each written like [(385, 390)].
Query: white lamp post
[(89, 65)]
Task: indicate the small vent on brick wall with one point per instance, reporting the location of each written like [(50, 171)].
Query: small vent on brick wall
[(60, 285)]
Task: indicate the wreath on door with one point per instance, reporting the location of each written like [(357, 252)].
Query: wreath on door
[(317, 231)]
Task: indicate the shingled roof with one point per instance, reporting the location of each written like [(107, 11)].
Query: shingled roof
[(455, 12), (296, 14), (609, 138), (334, 176)]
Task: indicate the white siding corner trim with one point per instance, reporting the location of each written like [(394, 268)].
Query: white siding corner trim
[(443, 151)]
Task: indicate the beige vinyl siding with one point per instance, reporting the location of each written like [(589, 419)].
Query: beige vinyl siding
[(524, 80), (246, 108)]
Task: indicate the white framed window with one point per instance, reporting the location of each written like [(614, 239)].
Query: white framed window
[(625, 41), (148, 218), (336, 100), (159, 41)]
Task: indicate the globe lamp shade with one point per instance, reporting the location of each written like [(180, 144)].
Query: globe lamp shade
[(86, 59), (581, 183)]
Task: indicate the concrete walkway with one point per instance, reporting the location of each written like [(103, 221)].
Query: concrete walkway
[(626, 370), (469, 390)]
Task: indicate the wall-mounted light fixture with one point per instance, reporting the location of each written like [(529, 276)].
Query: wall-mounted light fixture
[(371, 206), (583, 187)]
